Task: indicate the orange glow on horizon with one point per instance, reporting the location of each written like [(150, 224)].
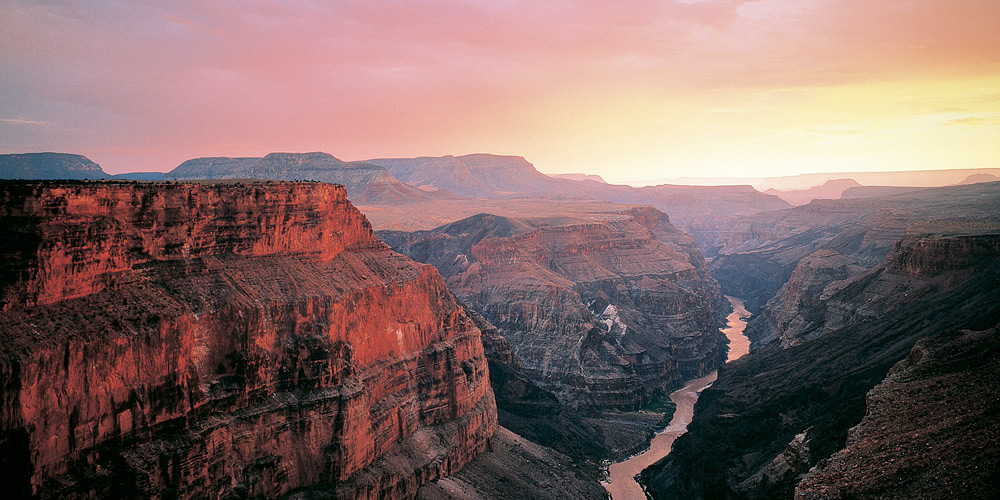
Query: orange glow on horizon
[(647, 90)]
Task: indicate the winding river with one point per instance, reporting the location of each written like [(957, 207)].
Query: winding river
[(621, 476)]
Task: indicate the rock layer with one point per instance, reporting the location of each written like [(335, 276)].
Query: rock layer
[(604, 314), (165, 340)]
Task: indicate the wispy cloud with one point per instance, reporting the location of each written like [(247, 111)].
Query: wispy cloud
[(21, 121)]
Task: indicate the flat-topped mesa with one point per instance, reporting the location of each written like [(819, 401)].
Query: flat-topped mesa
[(74, 239), (165, 340)]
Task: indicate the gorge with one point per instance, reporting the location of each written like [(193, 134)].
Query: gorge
[(621, 483)]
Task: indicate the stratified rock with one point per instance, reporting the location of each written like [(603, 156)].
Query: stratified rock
[(366, 183), (171, 340), (604, 314), (930, 431), (790, 311), (49, 166), (743, 440)]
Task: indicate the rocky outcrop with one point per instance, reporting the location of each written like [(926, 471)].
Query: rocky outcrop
[(791, 311), (365, 183), (938, 278), (49, 166), (764, 249), (603, 314), (171, 340), (930, 428)]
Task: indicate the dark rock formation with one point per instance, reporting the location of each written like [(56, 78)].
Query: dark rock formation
[(604, 314), (170, 340), (366, 183), (791, 311), (772, 415), (707, 212), (49, 166), (930, 430), (763, 251)]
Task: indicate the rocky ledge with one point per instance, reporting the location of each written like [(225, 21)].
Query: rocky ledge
[(178, 340)]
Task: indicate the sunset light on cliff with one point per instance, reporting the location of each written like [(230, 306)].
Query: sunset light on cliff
[(631, 91)]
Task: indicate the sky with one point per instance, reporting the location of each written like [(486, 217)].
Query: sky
[(627, 90)]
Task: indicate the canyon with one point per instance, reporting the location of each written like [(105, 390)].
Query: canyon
[(240, 339), (606, 314)]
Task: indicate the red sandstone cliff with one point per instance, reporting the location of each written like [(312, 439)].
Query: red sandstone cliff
[(169, 340)]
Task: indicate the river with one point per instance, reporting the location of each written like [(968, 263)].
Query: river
[(621, 476)]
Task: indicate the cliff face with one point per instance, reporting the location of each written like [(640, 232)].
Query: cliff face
[(603, 314), (930, 428), (166, 340), (791, 311), (774, 414)]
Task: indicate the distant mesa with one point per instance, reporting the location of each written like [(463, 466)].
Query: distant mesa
[(977, 178), (49, 166), (475, 176), (580, 177), (365, 182), (830, 190)]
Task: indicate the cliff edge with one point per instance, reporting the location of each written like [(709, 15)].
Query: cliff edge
[(225, 340)]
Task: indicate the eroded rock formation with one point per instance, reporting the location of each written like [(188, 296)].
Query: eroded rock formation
[(605, 314), (171, 340), (775, 413)]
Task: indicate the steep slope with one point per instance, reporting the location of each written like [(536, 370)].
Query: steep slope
[(774, 414), (366, 183), (930, 428), (49, 166), (765, 248), (171, 340), (604, 314)]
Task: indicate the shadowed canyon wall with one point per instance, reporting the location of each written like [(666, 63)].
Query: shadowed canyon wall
[(172, 340), (605, 314), (773, 415)]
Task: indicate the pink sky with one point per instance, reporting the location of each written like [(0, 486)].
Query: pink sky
[(627, 90)]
